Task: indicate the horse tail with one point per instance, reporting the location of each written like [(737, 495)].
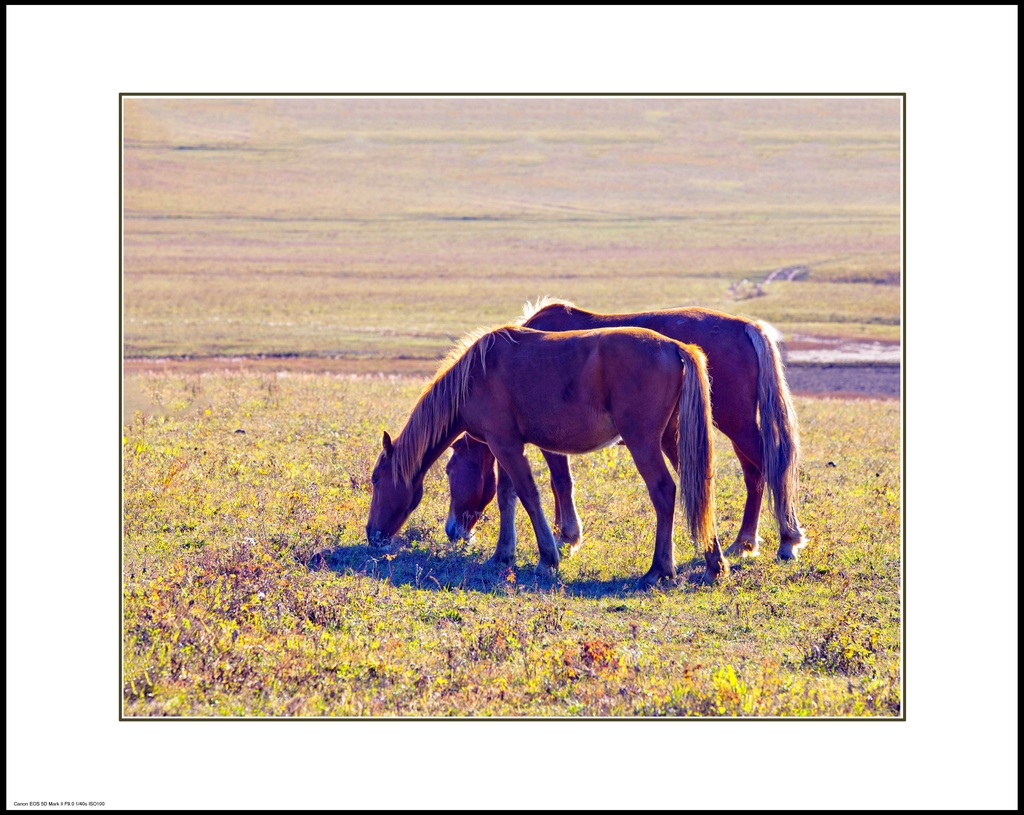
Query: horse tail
[(780, 433), (696, 448)]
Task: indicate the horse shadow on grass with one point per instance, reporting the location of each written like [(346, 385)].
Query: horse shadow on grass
[(418, 561)]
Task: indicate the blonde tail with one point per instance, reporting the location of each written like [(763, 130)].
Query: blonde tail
[(780, 433), (696, 450)]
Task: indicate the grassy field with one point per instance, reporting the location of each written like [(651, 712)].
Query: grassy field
[(316, 236), (383, 229), (249, 588)]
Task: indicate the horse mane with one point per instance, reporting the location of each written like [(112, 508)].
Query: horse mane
[(529, 309), (441, 399)]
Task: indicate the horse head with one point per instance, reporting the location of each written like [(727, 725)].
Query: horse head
[(394, 498), (471, 482)]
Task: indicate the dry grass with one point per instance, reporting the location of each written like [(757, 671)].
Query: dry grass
[(382, 229)]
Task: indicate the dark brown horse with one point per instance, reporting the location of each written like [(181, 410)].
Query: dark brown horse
[(573, 392), (747, 382)]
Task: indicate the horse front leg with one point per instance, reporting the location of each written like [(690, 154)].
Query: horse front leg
[(505, 551), (567, 522), (512, 460)]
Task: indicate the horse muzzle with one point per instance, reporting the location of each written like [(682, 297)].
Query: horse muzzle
[(458, 532), (374, 537)]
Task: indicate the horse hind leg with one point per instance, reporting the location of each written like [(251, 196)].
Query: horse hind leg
[(791, 534), (781, 450), (716, 558), (670, 443), (569, 530), (748, 543), (793, 540), (662, 489)]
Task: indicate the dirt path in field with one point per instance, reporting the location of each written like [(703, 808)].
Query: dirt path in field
[(843, 368), (815, 366), (845, 381)]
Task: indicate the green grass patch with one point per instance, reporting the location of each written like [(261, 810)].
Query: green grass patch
[(249, 588)]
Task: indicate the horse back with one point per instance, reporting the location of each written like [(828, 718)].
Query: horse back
[(731, 358), (715, 332), (564, 391)]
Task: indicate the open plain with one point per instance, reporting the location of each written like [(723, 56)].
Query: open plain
[(294, 268)]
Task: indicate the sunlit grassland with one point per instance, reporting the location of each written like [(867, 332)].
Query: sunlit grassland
[(249, 588), (378, 231)]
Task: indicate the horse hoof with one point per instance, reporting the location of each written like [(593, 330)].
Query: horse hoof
[(789, 550), (650, 580), (570, 536), (546, 571), (713, 571), (567, 548), (742, 549), (495, 562)]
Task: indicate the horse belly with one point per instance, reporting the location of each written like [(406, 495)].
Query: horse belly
[(572, 430), (611, 443)]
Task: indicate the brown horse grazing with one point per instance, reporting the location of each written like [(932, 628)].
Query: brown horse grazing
[(572, 392), (472, 484), (747, 381)]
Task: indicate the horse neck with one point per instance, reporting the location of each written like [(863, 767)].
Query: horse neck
[(432, 452), (436, 420)]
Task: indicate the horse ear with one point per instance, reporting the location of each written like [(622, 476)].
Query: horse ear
[(387, 444)]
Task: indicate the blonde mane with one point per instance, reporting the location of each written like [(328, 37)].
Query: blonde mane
[(441, 399), (529, 309)]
